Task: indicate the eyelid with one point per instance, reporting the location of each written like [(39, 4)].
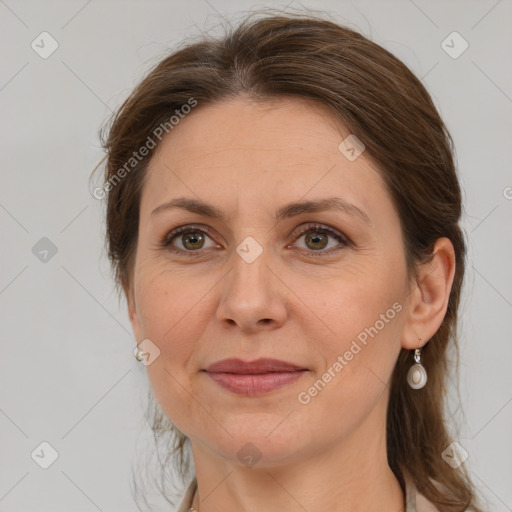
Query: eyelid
[(320, 227)]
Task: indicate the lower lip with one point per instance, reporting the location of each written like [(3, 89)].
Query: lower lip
[(255, 384)]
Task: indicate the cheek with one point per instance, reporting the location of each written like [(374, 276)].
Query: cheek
[(362, 302), (357, 361), (169, 305), (173, 310), (169, 313), (364, 317)]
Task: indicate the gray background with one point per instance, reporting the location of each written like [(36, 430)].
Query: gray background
[(68, 375)]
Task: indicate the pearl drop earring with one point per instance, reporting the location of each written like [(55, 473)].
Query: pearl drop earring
[(417, 376), (139, 354)]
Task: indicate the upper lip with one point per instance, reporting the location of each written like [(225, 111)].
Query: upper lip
[(252, 367)]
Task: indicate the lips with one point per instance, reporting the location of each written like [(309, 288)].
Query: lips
[(252, 378), (252, 367)]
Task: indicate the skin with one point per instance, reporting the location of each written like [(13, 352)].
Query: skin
[(248, 160)]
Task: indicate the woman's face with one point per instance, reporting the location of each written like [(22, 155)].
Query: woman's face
[(325, 289)]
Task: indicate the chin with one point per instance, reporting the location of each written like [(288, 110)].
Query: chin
[(259, 440)]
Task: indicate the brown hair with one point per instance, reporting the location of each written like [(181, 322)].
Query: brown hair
[(381, 101)]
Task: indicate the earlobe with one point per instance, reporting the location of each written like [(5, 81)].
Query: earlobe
[(428, 301)]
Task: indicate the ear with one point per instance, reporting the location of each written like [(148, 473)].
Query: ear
[(428, 300), (132, 313)]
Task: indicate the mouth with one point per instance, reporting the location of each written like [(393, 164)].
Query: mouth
[(254, 377)]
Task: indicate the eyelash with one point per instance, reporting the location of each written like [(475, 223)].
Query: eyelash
[(166, 242)]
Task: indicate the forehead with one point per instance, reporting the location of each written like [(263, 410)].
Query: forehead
[(276, 151), (278, 125)]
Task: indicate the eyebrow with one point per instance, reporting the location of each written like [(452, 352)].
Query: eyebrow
[(287, 211)]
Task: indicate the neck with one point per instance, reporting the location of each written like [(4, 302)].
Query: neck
[(351, 476)]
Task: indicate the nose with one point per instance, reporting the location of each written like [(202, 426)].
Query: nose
[(253, 296)]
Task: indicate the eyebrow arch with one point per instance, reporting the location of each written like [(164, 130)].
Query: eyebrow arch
[(287, 211)]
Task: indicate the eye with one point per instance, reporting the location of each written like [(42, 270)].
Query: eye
[(316, 238), (192, 239), (189, 239)]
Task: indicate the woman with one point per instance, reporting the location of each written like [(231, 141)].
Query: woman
[(283, 218)]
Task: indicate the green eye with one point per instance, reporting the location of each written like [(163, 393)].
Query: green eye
[(317, 239), (193, 239)]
